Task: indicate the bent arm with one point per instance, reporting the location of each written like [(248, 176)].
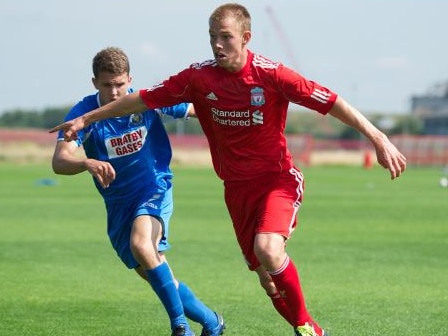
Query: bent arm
[(387, 154), (66, 162), (355, 119)]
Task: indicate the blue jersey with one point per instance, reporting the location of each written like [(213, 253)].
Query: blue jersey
[(137, 146)]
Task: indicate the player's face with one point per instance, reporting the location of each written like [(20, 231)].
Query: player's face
[(228, 43), (111, 86)]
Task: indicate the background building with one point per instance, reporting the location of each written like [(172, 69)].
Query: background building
[(432, 109)]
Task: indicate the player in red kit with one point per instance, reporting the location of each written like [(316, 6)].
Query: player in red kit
[(241, 100)]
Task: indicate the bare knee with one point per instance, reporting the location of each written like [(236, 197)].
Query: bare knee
[(145, 236), (270, 250), (142, 248)]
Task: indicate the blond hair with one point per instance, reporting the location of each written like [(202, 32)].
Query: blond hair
[(239, 12)]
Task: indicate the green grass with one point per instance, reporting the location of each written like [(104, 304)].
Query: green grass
[(372, 255)]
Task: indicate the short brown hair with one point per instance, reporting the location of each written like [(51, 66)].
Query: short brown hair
[(238, 11), (112, 60)]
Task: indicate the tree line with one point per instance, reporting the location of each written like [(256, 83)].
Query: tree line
[(52, 116), (45, 118)]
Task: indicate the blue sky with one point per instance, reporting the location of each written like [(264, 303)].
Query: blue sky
[(375, 53)]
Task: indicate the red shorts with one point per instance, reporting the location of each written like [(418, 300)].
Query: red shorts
[(266, 205)]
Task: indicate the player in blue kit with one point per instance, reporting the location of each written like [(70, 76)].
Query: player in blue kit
[(128, 158)]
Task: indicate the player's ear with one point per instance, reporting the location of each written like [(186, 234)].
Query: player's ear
[(246, 37), (94, 82)]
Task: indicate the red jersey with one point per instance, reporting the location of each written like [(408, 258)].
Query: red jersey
[(242, 114)]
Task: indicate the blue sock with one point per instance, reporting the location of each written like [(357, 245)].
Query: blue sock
[(162, 283), (195, 309)]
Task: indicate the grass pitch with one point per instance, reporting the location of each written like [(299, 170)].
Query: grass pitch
[(372, 255)]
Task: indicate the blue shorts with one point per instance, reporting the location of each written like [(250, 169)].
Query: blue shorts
[(120, 217)]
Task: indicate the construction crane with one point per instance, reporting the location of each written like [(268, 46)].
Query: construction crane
[(284, 40), (290, 54)]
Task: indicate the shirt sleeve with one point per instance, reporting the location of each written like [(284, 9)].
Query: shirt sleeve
[(174, 90), (299, 90), (176, 111)]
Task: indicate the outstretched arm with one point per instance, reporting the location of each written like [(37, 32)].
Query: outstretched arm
[(388, 156), (131, 103)]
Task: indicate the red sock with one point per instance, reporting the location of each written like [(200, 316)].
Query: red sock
[(281, 306), (286, 279)]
